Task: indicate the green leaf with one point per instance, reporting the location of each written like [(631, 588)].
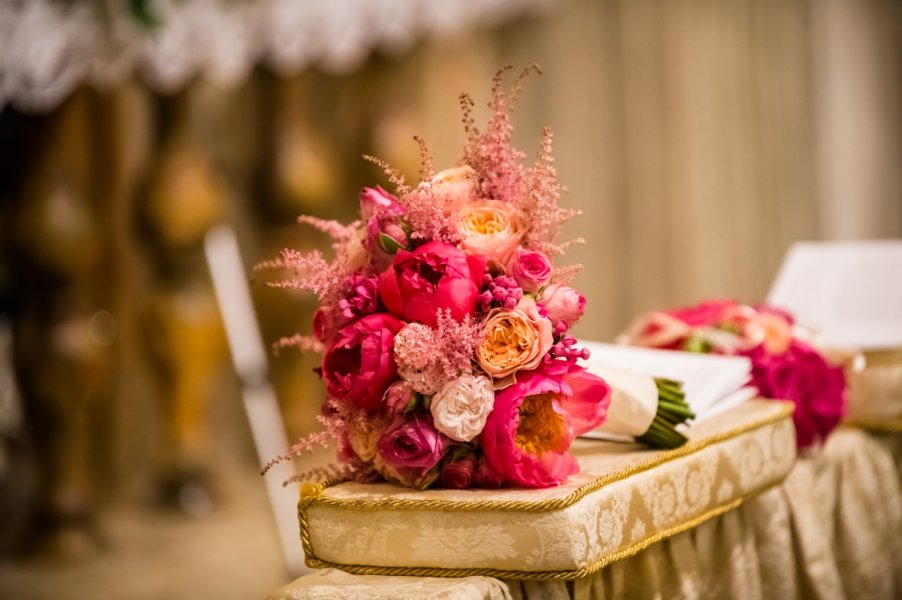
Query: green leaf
[(389, 244)]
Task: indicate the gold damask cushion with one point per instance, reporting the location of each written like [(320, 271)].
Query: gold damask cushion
[(624, 499)]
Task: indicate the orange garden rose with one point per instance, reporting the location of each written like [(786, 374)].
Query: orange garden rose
[(514, 339), (490, 228)]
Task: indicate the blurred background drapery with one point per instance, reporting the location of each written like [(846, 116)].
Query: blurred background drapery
[(699, 138)]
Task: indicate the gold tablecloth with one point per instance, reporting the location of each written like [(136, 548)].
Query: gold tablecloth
[(832, 529)]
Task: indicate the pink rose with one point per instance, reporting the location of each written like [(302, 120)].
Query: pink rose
[(486, 477), (656, 330), (528, 434), (374, 201), (325, 323), (412, 442), (490, 228), (802, 376), (433, 277), (386, 231), (360, 364), (397, 397), (531, 269), (563, 304), (458, 473), (414, 477)]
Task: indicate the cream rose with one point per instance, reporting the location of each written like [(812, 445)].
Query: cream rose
[(456, 186), (490, 228), (514, 339), (461, 407)]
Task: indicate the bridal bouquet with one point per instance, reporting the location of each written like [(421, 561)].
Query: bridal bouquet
[(444, 323), (787, 363)]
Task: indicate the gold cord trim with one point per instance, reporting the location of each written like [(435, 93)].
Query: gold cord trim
[(542, 505), (874, 358), (889, 425), (316, 563)]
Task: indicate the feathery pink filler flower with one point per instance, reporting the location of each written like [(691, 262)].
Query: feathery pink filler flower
[(527, 436)]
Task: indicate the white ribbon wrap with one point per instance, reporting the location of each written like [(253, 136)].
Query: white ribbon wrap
[(634, 400)]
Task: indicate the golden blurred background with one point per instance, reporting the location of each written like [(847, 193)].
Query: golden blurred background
[(699, 138)]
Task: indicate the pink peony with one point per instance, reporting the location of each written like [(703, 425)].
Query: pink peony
[(412, 442), (802, 376), (531, 269), (458, 473), (712, 312), (360, 364), (563, 304), (433, 277), (528, 434)]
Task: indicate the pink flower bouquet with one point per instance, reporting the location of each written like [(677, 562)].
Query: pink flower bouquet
[(786, 364), (444, 323)]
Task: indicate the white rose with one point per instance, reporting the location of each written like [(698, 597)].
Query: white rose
[(461, 407)]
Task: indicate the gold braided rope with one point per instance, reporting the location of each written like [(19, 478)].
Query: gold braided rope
[(888, 425), (317, 563), (313, 493)]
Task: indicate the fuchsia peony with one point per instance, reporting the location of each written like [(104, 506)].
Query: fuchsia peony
[(359, 366), (528, 434), (802, 376), (434, 277)]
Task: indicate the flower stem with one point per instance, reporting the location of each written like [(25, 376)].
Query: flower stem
[(672, 411)]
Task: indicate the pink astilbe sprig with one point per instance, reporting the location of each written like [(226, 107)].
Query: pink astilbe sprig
[(430, 357), (334, 420), (331, 473), (540, 200), (310, 272), (456, 342), (304, 343), (425, 212), (394, 176), (426, 168), (566, 275), (492, 154), (339, 232)]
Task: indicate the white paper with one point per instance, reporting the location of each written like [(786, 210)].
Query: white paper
[(634, 400), (712, 383), (850, 291)]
